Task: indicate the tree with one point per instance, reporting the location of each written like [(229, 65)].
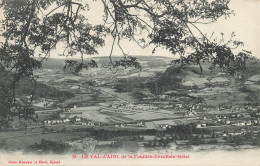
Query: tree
[(95, 95), (47, 146), (34, 27), (138, 94)]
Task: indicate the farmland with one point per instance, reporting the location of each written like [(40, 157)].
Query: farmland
[(126, 107)]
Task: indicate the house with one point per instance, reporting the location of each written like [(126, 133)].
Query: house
[(254, 109), (240, 123), (26, 99), (91, 123), (78, 123), (249, 123), (140, 124), (190, 113), (47, 122), (246, 115), (75, 87), (77, 119), (53, 121), (201, 125), (236, 133), (178, 105), (233, 116), (224, 134), (164, 126), (59, 121), (228, 122), (66, 120), (163, 97)]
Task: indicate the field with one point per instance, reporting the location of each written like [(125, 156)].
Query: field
[(121, 96), (22, 139), (79, 98), (92, 113)]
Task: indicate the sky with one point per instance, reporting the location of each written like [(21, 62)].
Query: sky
[(245, 24)]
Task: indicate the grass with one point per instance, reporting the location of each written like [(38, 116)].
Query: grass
[(21, 140), (79, 98)]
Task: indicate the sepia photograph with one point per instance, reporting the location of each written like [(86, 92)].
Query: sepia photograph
[(129, 82)]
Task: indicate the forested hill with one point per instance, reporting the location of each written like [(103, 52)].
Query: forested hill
[(27, 87), (212, 85), (153, 61)]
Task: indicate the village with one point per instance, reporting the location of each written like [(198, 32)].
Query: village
[(93, 107), (217, 124)]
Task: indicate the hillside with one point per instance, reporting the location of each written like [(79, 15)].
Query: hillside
[(214, 87), (152, 61), (218, 88), (26, 87)]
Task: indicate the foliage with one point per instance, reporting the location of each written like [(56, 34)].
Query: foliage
[(162, 82), (76, 67), (253, 95), (183, 131), (5, 112), (22, 107), (197, 140), (138, 94), (129, 84), (47, 146), (32, 26)]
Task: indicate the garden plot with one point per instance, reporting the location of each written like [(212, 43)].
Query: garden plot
[(95, 116), (150, 125), (120, 120), (162, 122), (167, 112), (147, 116)]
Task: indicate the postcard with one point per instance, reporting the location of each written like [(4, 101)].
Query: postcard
[(119, 82)]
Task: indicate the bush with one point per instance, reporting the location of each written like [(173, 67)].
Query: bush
[(47, 146)]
